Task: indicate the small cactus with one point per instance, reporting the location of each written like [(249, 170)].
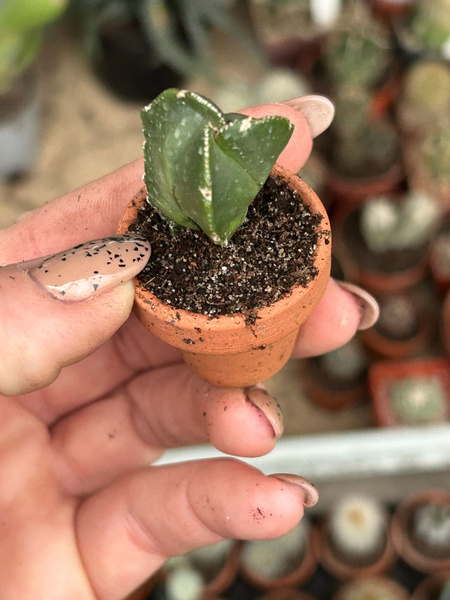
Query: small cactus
[(357, 50), (445, 591), (430, 26), (276, 558), (426, 92), (388, 225), (372, 588), (183, 583), (431, 528), (418, 399), (203, 168), (399, 318), (436, 152), (357, 527), (346, 363)]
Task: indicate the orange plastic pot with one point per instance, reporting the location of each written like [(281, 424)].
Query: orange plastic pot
[(226, 351), (409, 550)]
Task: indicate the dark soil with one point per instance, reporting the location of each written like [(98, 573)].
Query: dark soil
[(272, 251), (391, 261)]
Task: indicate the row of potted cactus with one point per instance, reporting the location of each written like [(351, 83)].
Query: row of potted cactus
[(352, 548)]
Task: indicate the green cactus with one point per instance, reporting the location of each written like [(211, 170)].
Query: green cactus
[(203, 168), (430, 25), (346, 363), (431, 528), (418, 399), (22, 24), (426, 91), (445, 591), (371, 588), (436, 152)]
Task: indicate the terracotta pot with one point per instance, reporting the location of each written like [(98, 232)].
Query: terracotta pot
[(225, 350), (381, 345), (327, 395), (383, 373), (364, 270), (445, 318), (438, 258), (392, 589), (288, 594), (408, 548), (344, 570), (301, 573), (389, 9), (430, 587), (221, 581)]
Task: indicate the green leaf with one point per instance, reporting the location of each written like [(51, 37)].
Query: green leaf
[(173, 125)]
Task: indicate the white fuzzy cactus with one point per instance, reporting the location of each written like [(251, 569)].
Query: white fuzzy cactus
[(394, 225), (357, 526), (184, 583), (432, 526)]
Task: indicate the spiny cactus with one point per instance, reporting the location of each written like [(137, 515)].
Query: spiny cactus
[(203, 168), (21, 34), (345, 363), (431, 527), (436, 152), (372, 588), (418, 399), (399, 318), (426, 91), (430, 25), (357, 527), (183, 583), (276, 558), (392, 225), (357, 50)]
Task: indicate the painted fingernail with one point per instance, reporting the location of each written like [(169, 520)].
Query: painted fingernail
[(311, 495), (317, 110), (369, 309), (268, 406), (92, 268)]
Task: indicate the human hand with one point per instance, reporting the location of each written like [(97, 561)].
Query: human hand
[(91, 398)]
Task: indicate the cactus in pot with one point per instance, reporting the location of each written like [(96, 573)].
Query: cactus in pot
[(372, 588), (418, 399), (224, 225), (431, 528), (429, 28)]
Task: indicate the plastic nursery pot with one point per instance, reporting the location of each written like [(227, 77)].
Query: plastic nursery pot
[(298, 564), (430, 587), (379, 273), (225, 350), (372, 587), (383, 375), (344, 569), (413, 551), (398, 339)]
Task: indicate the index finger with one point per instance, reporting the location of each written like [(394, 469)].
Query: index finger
[(93, 211)]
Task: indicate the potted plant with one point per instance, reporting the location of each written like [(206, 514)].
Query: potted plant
[(362, 152), (425, 98), (336, 379), (22, 28), (425, 32), (403, 328), (213, 568), (385, 241), (215, 166), (355, 538), (439, 258), (292, 31), (410, 392), (287, 561), (372, 588), (421, 531), (139, 48)]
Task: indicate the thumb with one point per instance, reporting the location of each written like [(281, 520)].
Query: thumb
[(57, 310)]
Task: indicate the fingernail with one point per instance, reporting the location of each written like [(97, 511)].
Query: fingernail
[(317, 110), (90, 269), (310, 492), (369, 309), (268, 406)]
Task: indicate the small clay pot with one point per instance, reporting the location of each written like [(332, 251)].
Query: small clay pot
[(383, 373), (430, 587), (287, 594), (381, 345), (439, 263), (445, 318), (307, 565), (389, 9), (345, 570), (226, 351), (408, 549), (392, 588)]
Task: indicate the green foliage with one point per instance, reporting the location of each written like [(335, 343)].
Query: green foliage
[(430, 24), (427, 89), (436, 152), (203, 168), (21, 33)]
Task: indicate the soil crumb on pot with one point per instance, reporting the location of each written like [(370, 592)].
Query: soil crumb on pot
[(271, 252)]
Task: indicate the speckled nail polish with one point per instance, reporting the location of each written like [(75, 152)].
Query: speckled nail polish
[(268, 406), (90, 269), (311, 495)]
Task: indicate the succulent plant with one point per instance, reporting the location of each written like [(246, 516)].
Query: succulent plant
[(436, 152), (431, 528), (22, 25), (358, 49), (371, 588), (398, 317), (445, 591), (203, 168), (276, 558), (346, 363), (357, 527), (426, 92), (387, 224), (209, 560), (430, 26), (183, 583), (418, 399)]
